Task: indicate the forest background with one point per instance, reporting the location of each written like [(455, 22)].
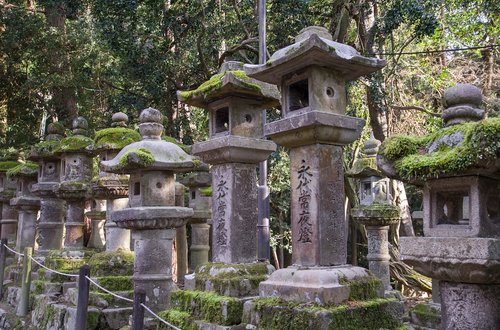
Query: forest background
[(64, 58)]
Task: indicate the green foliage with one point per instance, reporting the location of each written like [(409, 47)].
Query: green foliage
[(5, 166), (180, 319), (45, 148), (115, 138)]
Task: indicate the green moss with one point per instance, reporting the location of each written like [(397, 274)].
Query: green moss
[(8, 154), (281, 315), (180, 319), (378, 210), (7, 165), (24, 169), (209, 306), (39, 286), (427, 314), (215, 83), (412, 159), (363, 288), (75, 143), (116, 263), (115, 138), (116, 283), (45, 148), (145, 159), (93, 317), (207, 191)]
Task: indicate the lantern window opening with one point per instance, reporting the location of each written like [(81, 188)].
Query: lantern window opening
[(453, 207), (298, 95), (221, 120), (137, 188), (193, 194)]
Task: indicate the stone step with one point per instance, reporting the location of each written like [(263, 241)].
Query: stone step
[(45, 287), (101, 299), (426, 315), (116, 318), (190, 306)]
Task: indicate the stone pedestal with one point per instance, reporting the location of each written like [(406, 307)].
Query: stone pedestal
[(51, 224), (74, 224), (97, 217), (116, 237), (378, 253), (9, 218), (28, 213), (200, 244), (152, 270)]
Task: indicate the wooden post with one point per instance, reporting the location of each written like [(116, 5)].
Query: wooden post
[(83, 298), (138, 313), (24, 303), (3, 255)]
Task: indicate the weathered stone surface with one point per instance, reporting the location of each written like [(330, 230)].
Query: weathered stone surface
[(116, 237), (322, 285), (469, 306), (462, 104), (470, 260), (233, 149), (117, 317), (314, 127), (317, 210), (51, 225), (461, 207), (234, 205), (426, 315)]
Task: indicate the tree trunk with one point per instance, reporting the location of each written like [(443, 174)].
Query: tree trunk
[(63, 96)]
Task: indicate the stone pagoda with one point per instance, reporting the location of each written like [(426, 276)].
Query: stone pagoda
[(52, 209), (375, 210), (114, 187), (8, 186), (459, 168), (152, 215), (76, 152), (312, 75), (26, 203)]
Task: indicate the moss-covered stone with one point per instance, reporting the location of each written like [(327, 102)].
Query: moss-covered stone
[(373, 314), (23, 169), (145, 158), (451, 150), (7, 165), (75, 143), (231, 280), (45, 148), (363, 288), (215, 83), (115, 138), (116, 283), (378, 210), (425, 315), (116, 263), (180, 319), (209, 306)]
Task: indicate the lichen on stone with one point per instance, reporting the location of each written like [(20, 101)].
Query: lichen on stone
[(115, 138), (23, 169), (452, 150), (45, 148)]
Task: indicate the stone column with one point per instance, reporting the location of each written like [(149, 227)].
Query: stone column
[(9, 218), (200, 244), (181, 238), (52, 209), (97, 217)]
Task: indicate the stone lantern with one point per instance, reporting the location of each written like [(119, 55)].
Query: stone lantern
[(114, 187), (312, 74), (26, 203), (458, 167), (52, 209), (198, 182), (375, 211), (152, 215), (235, 104), (8, 186), (76, 154)]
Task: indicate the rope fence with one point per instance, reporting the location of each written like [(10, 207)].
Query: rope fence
[(90, 280)]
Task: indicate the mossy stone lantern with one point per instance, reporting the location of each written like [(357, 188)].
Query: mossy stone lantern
[(375, 211), (52, 209), (76, 152), (110, 186), (8, 187), (459, 169), (151, 214), (312, 74), (236, 106), (26, 203)]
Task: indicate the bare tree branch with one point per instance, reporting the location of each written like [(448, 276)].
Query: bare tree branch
[(414, 107)]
